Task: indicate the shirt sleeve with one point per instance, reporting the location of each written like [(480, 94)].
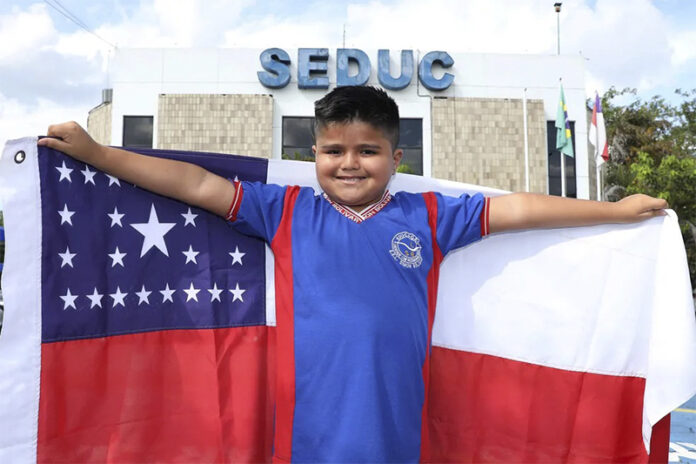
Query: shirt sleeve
[(257, 209), (461, 220)]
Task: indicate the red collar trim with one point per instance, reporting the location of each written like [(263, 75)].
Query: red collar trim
[(365, 214)]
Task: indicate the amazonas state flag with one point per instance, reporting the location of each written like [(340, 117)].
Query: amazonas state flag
[(139, 329)]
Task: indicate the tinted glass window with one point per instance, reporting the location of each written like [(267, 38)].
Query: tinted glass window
[(137, 131)]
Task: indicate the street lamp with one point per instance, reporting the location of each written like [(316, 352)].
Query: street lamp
[(557, 7)]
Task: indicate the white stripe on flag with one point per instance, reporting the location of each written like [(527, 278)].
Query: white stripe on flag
[(20, 338)]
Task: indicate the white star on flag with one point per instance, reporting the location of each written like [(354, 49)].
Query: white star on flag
[(65, 215), (236, 255), (67, 257), (237, 293), (154, 232), (113, 180), (89, 175), (191, 293), (215, 293), (68, 300), (118, 297), (117, 257), (64, 173), (115, 217), (190, 255), (95, 298), (167, 294), (143, 296), (189, 218)]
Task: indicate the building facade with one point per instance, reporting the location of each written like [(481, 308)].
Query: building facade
[(477, 118)]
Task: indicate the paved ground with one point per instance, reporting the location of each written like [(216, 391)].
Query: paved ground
[(682, 439)]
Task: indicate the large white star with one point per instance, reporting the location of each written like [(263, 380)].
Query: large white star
[(89, 175), (154, 232), (143, 296), (189, 218), (236, 256), (192, 293), (67, 257), (64, 173), (66, 215), (95, 298), (237, 293), (113, 180), (215, 293), (68, 300), (118, 297), (117, 257), (116, 217), (167, 294), (190, 255)]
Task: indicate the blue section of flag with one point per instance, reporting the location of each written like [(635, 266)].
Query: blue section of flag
[(95, 281)]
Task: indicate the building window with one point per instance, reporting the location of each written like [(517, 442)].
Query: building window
[(137, 131), (555, 163), (298, 138), (298, 141), (411, 142)]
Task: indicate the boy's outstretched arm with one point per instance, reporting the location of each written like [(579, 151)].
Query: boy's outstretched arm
[(529, 211), (176, 179)]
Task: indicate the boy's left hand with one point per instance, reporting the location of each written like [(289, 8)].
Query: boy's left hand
[(638, 207)]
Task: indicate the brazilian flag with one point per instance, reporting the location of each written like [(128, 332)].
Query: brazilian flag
[(564, 140)]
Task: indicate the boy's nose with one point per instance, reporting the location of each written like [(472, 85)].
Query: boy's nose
[(351, 160)]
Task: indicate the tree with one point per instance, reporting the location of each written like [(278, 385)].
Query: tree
[(653, 151), (674, 179)]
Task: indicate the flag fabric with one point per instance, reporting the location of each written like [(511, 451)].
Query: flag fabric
[(564, 139), (598, 133), (140, 329)]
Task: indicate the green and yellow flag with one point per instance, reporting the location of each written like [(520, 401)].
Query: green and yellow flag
[(564, 140)]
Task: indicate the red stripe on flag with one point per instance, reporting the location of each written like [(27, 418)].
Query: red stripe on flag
[(175, 396), (432, 279), (285, 332), (489, 409)]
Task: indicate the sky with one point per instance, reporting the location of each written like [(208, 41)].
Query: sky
[(51, 70)]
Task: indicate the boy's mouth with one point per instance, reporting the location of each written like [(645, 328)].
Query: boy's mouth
[(350, 179)]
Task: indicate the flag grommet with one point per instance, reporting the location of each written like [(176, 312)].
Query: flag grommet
[(20, 156)]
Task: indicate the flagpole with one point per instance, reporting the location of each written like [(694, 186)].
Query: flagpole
[(563, 179), (526, 140), (599, 183)]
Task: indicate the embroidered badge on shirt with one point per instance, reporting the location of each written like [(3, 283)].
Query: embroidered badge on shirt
[(406, 249)]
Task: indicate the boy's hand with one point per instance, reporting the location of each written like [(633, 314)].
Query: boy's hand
[(74, 141), (638, 207)]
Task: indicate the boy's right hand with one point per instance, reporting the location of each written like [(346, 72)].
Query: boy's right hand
[(72, 140)]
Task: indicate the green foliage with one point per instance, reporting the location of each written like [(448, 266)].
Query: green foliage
[(405, 169), (653, 151), (297, 156)]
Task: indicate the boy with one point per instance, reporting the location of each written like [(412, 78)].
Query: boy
[(356, 271)]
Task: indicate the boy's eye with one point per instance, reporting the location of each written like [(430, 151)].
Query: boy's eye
[(369, 152)]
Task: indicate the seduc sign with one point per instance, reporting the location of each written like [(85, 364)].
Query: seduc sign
[(312, 68)]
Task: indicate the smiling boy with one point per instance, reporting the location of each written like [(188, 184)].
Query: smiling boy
[(356, 271)]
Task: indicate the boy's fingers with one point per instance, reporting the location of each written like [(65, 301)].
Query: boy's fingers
[(54, 143)]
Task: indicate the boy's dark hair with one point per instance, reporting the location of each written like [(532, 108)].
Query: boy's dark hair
[(359, 103)]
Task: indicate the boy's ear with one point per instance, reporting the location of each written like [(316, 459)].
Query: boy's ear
[(314, 151), (398, 154)]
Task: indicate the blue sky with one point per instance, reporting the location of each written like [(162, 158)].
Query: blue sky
[(51, 70)]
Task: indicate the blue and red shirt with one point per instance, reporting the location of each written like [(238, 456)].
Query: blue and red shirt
[(355, 303)]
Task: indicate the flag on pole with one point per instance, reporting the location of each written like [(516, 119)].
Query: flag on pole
[(598, 133), (564, 140), (138, 329)]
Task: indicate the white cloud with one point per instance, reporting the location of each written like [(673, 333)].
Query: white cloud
[(22, 32)]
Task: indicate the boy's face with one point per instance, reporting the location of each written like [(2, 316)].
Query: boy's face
[(354, 162)]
